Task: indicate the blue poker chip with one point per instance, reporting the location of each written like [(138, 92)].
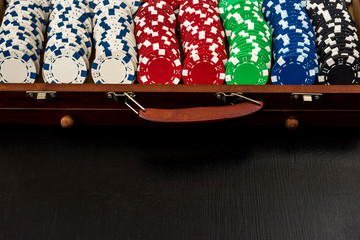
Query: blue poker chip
[(16, 67), (64, 66), (284, 68)]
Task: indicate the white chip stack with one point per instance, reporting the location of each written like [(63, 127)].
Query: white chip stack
[(68, 49), (22, 40), (115, 44)]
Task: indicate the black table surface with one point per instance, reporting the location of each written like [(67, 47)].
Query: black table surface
[(203, 182)]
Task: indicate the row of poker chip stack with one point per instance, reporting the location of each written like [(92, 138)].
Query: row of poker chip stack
[(203, 41), (68, 48), (159, 54), (294, 47), (115, 43), (337, 42), (250, 42), (22, 40)]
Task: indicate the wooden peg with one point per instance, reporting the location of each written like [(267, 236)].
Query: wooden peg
[(67, 121), (291, 123)]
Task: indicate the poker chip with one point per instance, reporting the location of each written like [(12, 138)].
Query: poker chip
[(337, 42), (22, 40), (158, 48), (69, 44), (114, 42), (203, 41), (294, 43), (250, 42)]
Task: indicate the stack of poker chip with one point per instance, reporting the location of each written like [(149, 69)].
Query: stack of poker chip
[(294, 47), (337, 42), (203, 41), (22, 40), (159, 54), (68, 48), (250, 41), (115, 44)]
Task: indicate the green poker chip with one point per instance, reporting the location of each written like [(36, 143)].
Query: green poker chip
[(246, 69)]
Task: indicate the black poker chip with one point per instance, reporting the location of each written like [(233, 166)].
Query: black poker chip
[(337, 42)]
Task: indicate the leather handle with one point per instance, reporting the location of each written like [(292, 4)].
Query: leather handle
[(200, 114)]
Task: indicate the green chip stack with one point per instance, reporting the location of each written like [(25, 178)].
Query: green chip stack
[(250, 41)]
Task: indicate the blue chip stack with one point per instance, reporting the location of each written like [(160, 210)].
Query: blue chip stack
[(114, 40), (21, 40), (69, 45), (294, 47)]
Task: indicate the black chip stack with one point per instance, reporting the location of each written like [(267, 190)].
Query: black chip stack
[(337, 42)]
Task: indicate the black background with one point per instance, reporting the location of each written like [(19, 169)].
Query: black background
[(204, 182)]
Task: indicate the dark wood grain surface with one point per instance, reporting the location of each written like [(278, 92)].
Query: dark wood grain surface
[(211, 183)]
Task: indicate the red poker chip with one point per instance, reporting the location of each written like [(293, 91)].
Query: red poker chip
[(201, 21), (196, 9), (218, 51), (159, 5), (156, 46), (160, 39), (203, 69), (147, 19), (155, 26), (207, 43), (193, 29), (156, 36), (145, 15), (159, 67), (213, 3), (202, 35), (173, 3)]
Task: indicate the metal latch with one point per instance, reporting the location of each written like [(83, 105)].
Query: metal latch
[(306, 97), (41, 95), (234, 97), (125, 97)]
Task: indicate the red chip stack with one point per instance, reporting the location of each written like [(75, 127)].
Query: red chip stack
[(158, 49), (203, 41)]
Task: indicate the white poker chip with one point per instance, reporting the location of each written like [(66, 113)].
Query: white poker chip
[(64, 66), (62, 27), (59, 44), (130, 9), (113, 67), (72, 13), (16, 67), (19, 45)]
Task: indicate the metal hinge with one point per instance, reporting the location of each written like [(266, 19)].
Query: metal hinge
[(234, 97), (306, 97), (42, 95), (125, 96)]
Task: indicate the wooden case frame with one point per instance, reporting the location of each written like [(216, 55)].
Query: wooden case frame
[(95, 104)]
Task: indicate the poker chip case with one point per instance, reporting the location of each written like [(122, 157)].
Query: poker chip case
[(140, 104)]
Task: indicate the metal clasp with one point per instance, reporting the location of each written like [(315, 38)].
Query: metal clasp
[(42, 96), (125, 97), (234, 97), (306, 97)]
